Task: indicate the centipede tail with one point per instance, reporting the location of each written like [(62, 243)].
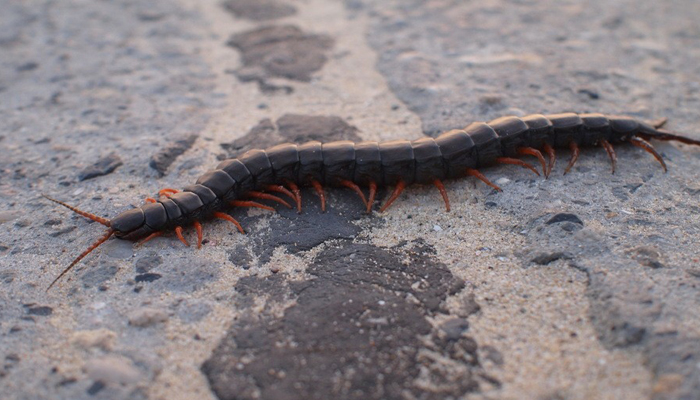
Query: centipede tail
[(284, 168)]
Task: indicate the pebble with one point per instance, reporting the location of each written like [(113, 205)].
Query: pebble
[(502, 181), (147, 316), (437, 228), (112, 369), (99, 338), (103, 166), (454, 327)]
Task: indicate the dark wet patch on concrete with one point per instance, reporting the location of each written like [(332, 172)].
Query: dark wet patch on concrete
[(293, 128), (302, 232), (259, 10), (167, 155), (358, 330), (280, 52), (103, 166)]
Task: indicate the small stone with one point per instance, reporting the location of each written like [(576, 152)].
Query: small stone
[(62, 231), (647, 256), (42, 311), (98, 338), (437, 228), (502, 181), (547, 258), (591, 94), (112, 369), (453, 328), (147, 316), (148, 277), (103, 166), (30, 66), (95, 388), (563, 217)]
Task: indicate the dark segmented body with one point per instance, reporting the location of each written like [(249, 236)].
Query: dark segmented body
[(419, 161)]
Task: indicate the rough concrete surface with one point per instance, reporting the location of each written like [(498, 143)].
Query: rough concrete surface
[(584, 286)]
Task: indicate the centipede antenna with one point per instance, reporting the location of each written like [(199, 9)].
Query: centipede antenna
[(665, 135), (99, 241), (103, 221)]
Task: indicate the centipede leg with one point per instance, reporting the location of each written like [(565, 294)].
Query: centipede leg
[(167, 192), (529, 151), (229, 218), (516, 161), (372, 194), (480, 176), (611, 153), (267, 196), (574, 156), (243, 203), (150, 200), (552, 157), (149, 237), (353, 186), (397, 192), (643, 144), (198, 228), (281, 189), (297, 193), (321, 194), (659, 123), (178, 232), (443, 192)]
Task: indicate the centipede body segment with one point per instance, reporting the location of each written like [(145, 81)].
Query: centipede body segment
[(284, 168)]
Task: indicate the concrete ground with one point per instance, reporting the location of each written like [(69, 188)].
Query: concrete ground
[(584, 286)]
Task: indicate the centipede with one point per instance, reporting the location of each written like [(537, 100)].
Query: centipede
[(267, 175)]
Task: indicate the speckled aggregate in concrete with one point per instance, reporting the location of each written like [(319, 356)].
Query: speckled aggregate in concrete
[(584, 286)]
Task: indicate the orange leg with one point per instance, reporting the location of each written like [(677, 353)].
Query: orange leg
[(552, 157), (643, 144), (178, 232), (574, 156), (297, 194), (477, 174), (229, 218), (241, 203), (397, 191), (167, 192), (150, 200), (280, 189), (611, 153), (149, 237), (319, 190), (372, 194), (198, 227), (529, 151), (515, 161), (267, 196), (443, 192), (353, 186)]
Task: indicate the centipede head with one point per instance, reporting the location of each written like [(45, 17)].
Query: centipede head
[(104, 221)]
